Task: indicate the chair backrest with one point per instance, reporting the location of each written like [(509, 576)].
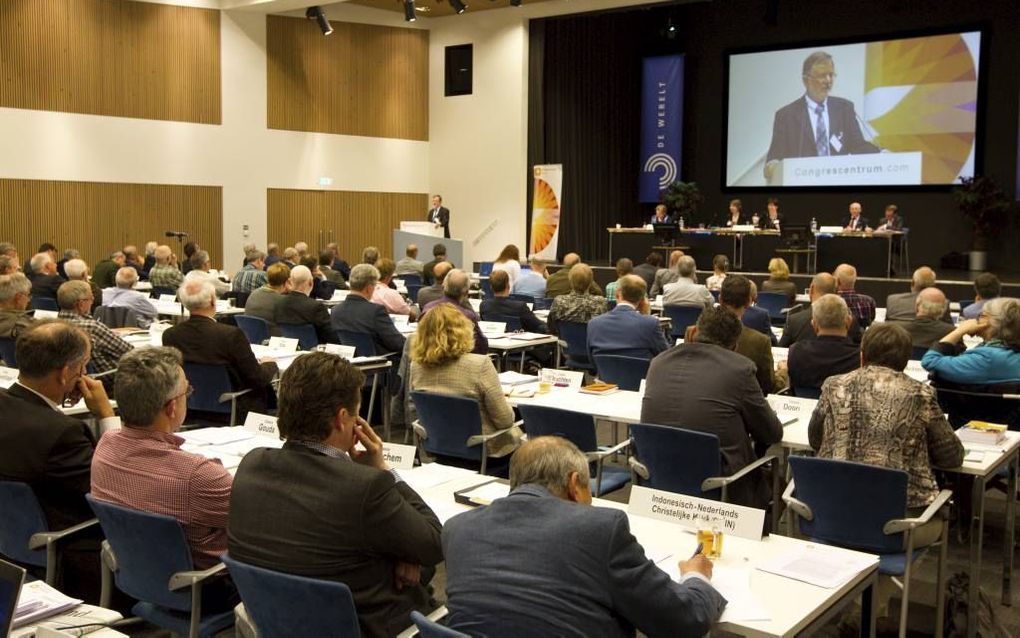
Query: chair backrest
[(240, 298), (430, 629), (410, 279), (513, 324), (967, 402), (917, 353), (543, 303), (115, 316), (715, 294), (965, 302), (486, 289), (364, 344), (21, 518), (576, 336), (626, 372), (412, 291), (163, 290), (303, 332), (525, 299), (7, 352), (209, 381), (485, 268), (774, 302), (680, 317), (807, 392), (678, 460), (149, 549), (278, 603), (576, 427), (449, 422), (850, 502), (44, 303), (256, 329)]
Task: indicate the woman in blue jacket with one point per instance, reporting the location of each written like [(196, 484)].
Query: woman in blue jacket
[(997, 360)]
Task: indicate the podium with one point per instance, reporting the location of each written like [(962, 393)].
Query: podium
[(873, 169), (422, 228), (426, 235)]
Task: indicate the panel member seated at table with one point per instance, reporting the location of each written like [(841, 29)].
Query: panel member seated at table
[(624, 267), (734, 216), (442, 362), (502, 304), (648, 270), (532, 282), (627, 329), (986, 287), (580, 304), (861, 306), (358, 313), (558, 283), (388, 297), (830, 353), (321, 508), (854, 221), (15, 293), (798, 322), (588, 577), (685, 291), (455, 293), (779, 281), (125, 296), (891, 221), (706, 386), (666, 275), (902, 306), (773, 219), (297, 307), (927, 327), (661, 215), (995, 361), (263, 301), (201, 339)]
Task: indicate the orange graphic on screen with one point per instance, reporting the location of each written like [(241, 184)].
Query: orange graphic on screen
[(545, 216)]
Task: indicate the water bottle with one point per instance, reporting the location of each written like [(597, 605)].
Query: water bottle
[(681, 223), (755, 219), (814, 226)]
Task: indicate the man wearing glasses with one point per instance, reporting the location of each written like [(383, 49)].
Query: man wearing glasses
[(816, 124)]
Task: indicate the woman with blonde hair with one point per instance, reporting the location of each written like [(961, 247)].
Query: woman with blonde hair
[(779, 281), (509, 261), (442, 362)]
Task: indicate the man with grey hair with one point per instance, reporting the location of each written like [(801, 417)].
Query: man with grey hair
[(105, 272), (370, 255), (15, 293), (44, 277), (253, 275), (297, 306), (165, 273), (358, 314), (830, 353), (247, 247), (684, 290), (203, 340), (301, 248), (928, 325), (75, 301), (8, 265), (78, 270), (901, 306), (861, 306), (409, 264), (200, 269), (564, 586), (273, 254), (798, 322), (430, 293), (124, 296), (142, 465), (290, 256), (455, 292), (666, 275), (69, 254)]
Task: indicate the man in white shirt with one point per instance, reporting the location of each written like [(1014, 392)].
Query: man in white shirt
[(410, 265), (124, 297), (684, 291)]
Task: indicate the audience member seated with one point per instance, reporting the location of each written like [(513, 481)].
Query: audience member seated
[(564, 585), (455, 293), (902, 306), (370, 255), (409, 264), (624, 267), (986, 287), (321, 289), (649, 269), (201, 339), (190, 248), (435, 291), (861, 306), (165, 273), (150, 258), (627, 329), (45, 248), (124, 296), (779, 281), (75, 301), (720, 266), (708, 387), (387, 297), (322, 508), (78, 270), (273, 254), (684, 290), (558, 283), (69, 254), (580, 305), (928, 325), (291, 257), (442, 362), (52, 452), (532, 282), (880, 416), (302, 249), (133, 259), (200, 267), (262, 302), (758, 318), (666, 275), (502, 304), (44, 277), (8, 265), (509, 261), (253, 275), (997, 360), (15, 293), (142, 465), (798, 322), (297, 307), (332, 275), (105, 273), (830, 353), (428, 278), (359, 314), (339, 264)]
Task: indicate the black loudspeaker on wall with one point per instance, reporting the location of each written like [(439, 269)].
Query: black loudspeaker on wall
[(458, 69)]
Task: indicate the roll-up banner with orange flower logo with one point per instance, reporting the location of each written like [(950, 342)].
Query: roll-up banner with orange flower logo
[(545, 210)]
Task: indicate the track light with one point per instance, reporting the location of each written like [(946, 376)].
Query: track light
[(515, 3), (409, 11), (316, 13), (458, 6)]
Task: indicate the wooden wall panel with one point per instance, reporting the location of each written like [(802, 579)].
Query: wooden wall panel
[(111, 57), (352, 219), (360, 80), (98, 218)]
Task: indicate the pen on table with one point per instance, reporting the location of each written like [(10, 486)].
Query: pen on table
[(698, 549)]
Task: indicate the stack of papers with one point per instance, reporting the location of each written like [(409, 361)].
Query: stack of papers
[(38, 600), (516, 378), (818, 565), (528, 336), (431, 474)]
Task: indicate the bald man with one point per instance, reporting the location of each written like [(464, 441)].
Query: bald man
[(798, 323), (559, 282), (927, 326), (901, 306)]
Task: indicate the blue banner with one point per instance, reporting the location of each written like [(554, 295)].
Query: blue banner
[(662, 120)]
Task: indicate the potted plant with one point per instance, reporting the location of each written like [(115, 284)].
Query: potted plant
[(981, 201), (683, 198)]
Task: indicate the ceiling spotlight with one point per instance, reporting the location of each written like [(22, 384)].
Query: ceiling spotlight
[(316, 13), (409, 11), (458, 6), (515, 3)]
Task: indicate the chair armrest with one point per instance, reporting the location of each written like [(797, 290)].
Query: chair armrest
[(435, 616), (799, 507), (230, 396), (42, 539), (419, 430), (716, 482), (180, 580), (638, 467), (899, 525), (478, 439), (785, 391), (601, 453)]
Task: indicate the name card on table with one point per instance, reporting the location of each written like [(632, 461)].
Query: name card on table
[(697, 513), (261, 425), (562, 378), (400, 320), (283, 344), (223, 304), (44, 314), (491, 328), (791, 407), (344, 352), (399, 456), (168, 298), (340, 295), (156, 330)]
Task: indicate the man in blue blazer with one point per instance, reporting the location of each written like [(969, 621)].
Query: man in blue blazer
[(758, 318), (627, 329), (543, 562)]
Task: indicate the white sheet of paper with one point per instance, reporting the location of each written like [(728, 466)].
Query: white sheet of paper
[(283, 344), (820, 566), (430, 475), (485, 494), (216, 436)]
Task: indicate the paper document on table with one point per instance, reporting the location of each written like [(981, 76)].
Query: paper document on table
[(216, 436), (431, 474), (510, 377), (973, 456), (487, 493), (39, 600), (819, 566), (734, 583), (80, 620), (528, 336), (240, 448)]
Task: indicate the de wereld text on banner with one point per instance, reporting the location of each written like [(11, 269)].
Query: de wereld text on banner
[(662, 119)]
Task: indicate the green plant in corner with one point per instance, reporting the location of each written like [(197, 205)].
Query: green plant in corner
[(981, 201), (683, 198)]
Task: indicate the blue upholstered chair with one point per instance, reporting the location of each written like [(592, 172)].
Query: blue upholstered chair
[(213, 390), (574, 341), (451, 426), (680, 317), (626, 372), (429, 628), (256, 329), (303, 332)]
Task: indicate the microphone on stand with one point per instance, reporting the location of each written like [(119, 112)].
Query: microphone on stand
[(179, 234)]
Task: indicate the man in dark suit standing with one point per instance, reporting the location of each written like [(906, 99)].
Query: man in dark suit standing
[(559, 587), (816, 124), (627, 329), (358, 314), (321, 508), (297, 306), (439, 215), (502, 305)]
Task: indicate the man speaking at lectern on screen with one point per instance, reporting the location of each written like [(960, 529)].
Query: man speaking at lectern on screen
[(816, 124), (440, 215)]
